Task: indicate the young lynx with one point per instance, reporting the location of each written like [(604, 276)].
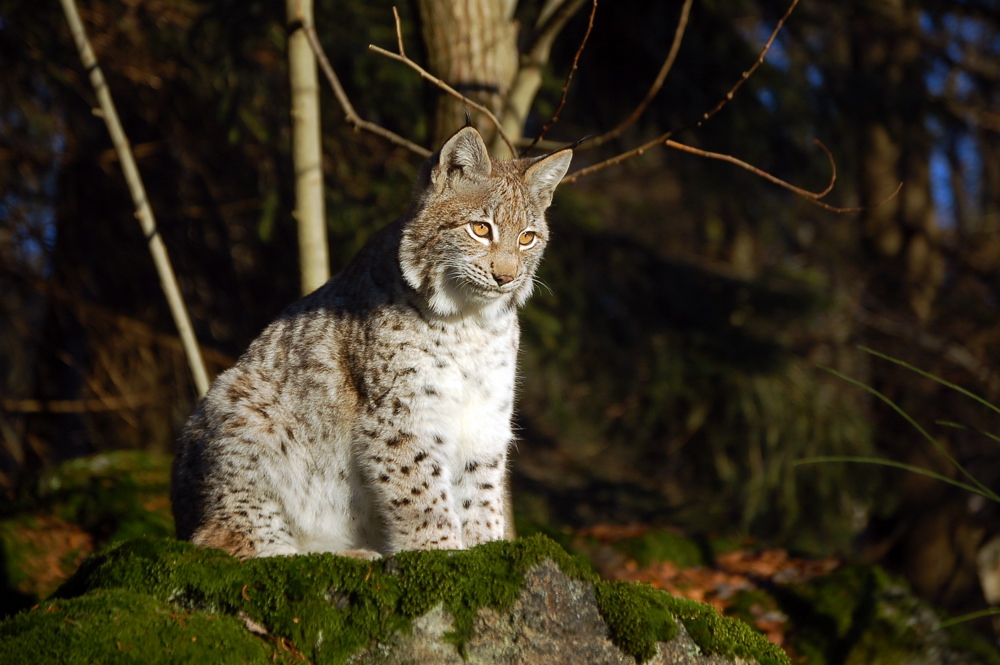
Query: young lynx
[(374, 415)]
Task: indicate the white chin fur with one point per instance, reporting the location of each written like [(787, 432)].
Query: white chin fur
[(450, 300)]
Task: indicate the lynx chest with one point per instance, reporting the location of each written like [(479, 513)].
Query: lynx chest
[(466, 392)]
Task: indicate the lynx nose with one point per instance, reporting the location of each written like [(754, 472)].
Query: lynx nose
[(503, 279)]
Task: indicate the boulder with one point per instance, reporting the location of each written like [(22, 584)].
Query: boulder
[(154, 600), (81, 505)]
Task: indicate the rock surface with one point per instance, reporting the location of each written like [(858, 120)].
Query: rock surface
[(160, 600), (555, 620)]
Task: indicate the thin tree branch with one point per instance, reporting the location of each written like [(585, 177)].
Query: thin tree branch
[(763, 174), (403, 58), (654, 89), (617, 159), (351, 115), (747, 74), (86, 405), (569, 79), (812, 197), (144, 212), (662, 139)]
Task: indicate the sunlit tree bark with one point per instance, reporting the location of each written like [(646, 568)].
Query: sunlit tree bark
[(310, 216), (472, 46)]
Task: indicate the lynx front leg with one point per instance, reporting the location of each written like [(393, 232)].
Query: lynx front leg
[(480, 491), (413, 492)]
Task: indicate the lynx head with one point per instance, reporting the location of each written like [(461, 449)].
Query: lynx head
[(476, 230)]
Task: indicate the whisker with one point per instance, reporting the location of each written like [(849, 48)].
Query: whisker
[(542, 284)]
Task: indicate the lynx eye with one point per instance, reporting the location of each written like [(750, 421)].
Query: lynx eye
[(527, 238), (480, 229)]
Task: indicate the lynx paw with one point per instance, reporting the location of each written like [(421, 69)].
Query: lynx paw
[(367, 555)]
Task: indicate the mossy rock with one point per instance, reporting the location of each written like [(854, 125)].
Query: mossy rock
[(861, 615), (659, 545), (115, 495), (80, 505), (157, 600)]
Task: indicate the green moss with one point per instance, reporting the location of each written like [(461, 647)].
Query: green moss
[(117, 626), (862, 615), (637, 616), (963, 637), (729, 638), (48, 530), (115, 496), (747, 604), (496, 572), (663, 545), (325, 607)]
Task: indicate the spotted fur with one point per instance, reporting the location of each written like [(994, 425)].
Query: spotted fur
[(374, 415)]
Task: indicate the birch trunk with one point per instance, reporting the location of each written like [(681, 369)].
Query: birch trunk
[(309, 214)]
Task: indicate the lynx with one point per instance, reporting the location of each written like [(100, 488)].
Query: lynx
[(374, 415)]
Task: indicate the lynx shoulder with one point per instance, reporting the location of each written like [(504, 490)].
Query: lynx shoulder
[(374, 414)]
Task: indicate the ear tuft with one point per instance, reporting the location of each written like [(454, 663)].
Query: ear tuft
[(546, 173), (465, 155)]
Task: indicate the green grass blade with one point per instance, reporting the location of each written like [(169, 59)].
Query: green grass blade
[(985, 491), (969, 617), (900, 465), (921, 372), (949, 423)]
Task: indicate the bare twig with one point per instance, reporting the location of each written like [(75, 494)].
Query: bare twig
[(654, 89), (759, 172), (144, 212), (87, 405), (617, 159), (812, 197), (663, 138), (748, 73), (403, 58), (569, 79), (351, 115)]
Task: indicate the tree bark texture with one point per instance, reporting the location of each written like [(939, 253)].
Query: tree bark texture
[(310, 213), (472, 46), (902, 233)]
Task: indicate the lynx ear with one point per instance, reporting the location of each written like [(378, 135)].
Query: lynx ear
[(465, 155), (543, 176)]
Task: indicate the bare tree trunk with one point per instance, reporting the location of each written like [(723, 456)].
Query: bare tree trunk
[(902, 234), (551, 21), (310, 215), (472, 46)]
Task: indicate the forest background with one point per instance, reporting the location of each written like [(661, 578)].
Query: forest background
[(672, 365)]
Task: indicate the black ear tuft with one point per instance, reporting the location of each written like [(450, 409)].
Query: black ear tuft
[(464, 156), (468, 118), (545, 173)]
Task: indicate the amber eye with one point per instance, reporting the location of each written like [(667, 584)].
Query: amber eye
[(481, 229), (527, 237)]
